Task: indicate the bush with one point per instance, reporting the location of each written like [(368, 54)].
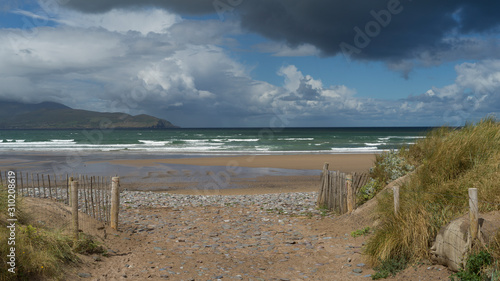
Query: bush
[(475, 268), (389, 166)]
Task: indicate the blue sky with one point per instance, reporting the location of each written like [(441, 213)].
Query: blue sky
[(245, 63)]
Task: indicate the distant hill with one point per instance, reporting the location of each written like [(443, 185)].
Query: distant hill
[(51, 115)]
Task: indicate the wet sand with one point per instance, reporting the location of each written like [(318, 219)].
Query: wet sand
[(341, 162), (230, 175)]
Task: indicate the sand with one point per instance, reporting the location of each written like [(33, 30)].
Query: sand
[(237, 180), (341, 162)]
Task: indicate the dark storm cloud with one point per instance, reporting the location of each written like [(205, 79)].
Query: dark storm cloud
[(373, 30)]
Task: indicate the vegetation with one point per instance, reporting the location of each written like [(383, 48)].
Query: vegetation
[(39, 252), (362, 231), (475, 266), (57, 116), (389, 267), (389, 166), (449, 162)]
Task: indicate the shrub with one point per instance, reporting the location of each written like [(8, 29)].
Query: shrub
[(388, 167), (475, 268)]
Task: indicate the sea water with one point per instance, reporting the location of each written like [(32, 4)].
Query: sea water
[(214, 141)]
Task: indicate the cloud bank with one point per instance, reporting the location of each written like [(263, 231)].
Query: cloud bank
[(105, 56)]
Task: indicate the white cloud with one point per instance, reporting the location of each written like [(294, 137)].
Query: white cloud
[(141, 20), (284, 50), (181, 70)]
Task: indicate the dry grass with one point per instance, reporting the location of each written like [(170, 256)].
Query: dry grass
[(449, 162), (39, 251)]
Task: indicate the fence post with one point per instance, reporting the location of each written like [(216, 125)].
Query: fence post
[(351, 199), (74, 208), (115, 201), (324, 186), (70, 200), (395, 190), (474, 213)]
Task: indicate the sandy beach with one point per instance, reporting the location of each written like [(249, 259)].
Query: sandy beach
[(231, 175), (341, 162)]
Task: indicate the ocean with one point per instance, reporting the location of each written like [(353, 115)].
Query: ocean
[(213, 141)]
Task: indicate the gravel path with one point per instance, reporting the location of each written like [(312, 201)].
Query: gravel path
[(244, 237)]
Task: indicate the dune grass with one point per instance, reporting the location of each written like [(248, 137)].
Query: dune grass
[(39, 252), (449, 162)]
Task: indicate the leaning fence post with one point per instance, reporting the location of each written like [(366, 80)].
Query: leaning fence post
[(474, 213), (115, 201), (74, 208), (395, 190), (350, 194)]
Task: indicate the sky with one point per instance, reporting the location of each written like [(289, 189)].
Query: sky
[(257, 63)]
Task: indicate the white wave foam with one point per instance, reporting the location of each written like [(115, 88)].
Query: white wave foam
[(154, 143), (375, 144), (296, 139), (355, 149), (242, 139), (63, 141)]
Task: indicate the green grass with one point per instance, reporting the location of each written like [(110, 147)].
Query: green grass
[(361, 232), (40, 252), (449, 162)]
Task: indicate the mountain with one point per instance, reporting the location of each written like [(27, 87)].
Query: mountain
[(51, 115)]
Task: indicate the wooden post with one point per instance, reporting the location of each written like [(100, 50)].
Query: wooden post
[(38, 183), (74, 208), (67, 189), (474, 213), (322, 191), (115, 201), (22, 186), (33, 185), (395, 190), (92, 203), (70, 201), (351, 199), (50, 187), (44, 188), (55, 184)]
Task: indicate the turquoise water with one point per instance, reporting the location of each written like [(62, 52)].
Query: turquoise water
[(214, 141)]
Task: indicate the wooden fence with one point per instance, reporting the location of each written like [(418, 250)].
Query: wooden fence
[(94, 195), (338, 190)]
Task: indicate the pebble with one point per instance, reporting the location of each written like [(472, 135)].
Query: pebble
[(294, 203), (84, 275), (267, 228)]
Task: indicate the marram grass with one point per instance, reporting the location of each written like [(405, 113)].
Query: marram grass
[(449, 161)]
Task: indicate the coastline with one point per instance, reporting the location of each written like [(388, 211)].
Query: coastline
[(342, 162), (219, 175)]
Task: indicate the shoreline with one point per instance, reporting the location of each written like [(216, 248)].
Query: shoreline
[(341, 162), (221, 175)]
